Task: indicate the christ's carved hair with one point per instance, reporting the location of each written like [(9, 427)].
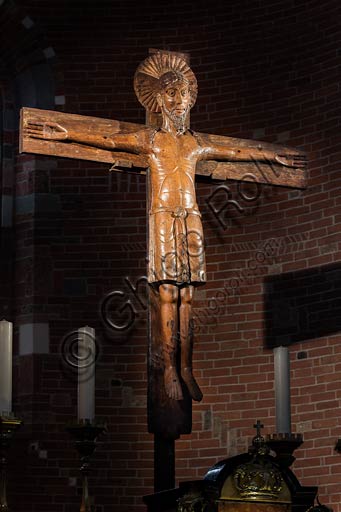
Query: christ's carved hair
[(170, 78)]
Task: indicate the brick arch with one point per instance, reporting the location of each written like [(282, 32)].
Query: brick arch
[(7, 145), (27, 58), (26, 79), (6, 194)]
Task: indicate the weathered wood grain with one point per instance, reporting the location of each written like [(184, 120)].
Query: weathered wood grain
[(260, 172), (84, 124)]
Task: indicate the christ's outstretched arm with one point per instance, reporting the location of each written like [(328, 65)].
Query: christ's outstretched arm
[(130, 142), (219, 151)]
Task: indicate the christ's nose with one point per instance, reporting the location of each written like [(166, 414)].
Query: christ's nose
[(178, 98)]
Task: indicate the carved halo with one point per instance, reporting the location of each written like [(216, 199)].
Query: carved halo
[(149, 72)]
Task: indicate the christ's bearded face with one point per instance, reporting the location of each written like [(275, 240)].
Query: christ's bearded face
[(175, 101)]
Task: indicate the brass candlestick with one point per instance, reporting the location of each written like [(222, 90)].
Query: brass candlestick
[(8, 425), (86, 435)]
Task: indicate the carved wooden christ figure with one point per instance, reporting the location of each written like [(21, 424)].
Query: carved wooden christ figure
[(176, 246)]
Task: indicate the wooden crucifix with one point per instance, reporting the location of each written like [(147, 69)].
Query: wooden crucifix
[(171, 155)]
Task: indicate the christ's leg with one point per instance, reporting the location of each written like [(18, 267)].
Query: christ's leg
[(169, 329), (186, 338)]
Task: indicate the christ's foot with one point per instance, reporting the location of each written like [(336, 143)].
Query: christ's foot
[(172, 383), (191, 383)]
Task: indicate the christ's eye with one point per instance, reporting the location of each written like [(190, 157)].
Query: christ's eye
[(171, 92), (184, 93)]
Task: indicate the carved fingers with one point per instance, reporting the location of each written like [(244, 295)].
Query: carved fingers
[(292, 160), (45, 130), (172, 384)]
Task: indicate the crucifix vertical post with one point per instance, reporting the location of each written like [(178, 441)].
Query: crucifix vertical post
[(167, 418)]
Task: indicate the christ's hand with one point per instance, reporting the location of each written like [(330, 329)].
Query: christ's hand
[(292, 160), (45, 130)]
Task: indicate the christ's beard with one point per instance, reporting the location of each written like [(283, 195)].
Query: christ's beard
[(179, 121)]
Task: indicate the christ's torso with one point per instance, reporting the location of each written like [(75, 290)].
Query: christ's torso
[(172, 171)]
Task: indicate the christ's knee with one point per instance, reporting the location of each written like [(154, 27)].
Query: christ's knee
[(187, 296), (168, 294)]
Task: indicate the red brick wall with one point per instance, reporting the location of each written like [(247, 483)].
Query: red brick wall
[(266, 71), (7, 139)]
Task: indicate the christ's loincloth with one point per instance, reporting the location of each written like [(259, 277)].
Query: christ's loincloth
[(176, 247)]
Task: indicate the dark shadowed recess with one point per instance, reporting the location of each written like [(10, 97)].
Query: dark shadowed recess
[(302, 305)]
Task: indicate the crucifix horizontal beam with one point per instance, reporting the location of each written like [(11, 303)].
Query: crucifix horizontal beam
[(251, 171)]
